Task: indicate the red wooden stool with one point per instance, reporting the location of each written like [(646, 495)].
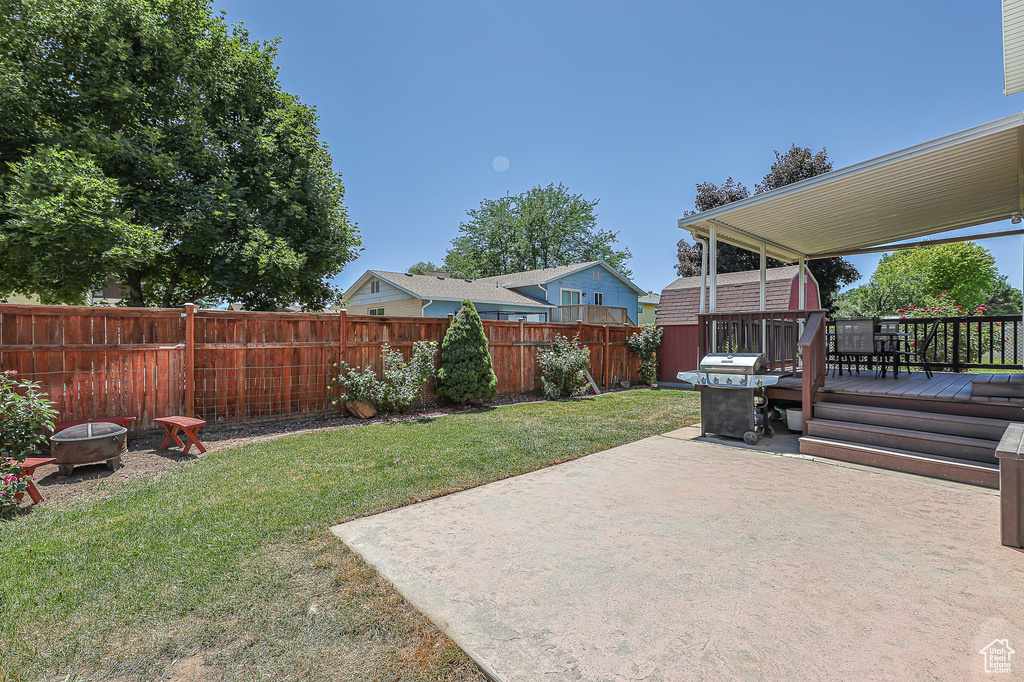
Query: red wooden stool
[(188, 425), (27, 468)]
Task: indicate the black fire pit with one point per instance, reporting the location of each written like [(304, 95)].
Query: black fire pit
[(87, 444)]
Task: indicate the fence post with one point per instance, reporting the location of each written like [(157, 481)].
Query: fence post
[(607, 359), (342, 333), (190, 360), (956, 345), (522, 359)]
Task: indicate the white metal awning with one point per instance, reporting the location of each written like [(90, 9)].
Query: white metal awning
[(969, 178), (1013, 46)]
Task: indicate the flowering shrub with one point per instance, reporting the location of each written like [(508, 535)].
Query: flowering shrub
[(563, 368), (356, 384), (972, 334), (401, 382), (644, 345), (25, 417)]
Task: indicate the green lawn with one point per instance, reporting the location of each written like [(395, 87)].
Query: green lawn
[(227, 567)]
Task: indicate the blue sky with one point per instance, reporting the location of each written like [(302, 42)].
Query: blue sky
[(628, 103)]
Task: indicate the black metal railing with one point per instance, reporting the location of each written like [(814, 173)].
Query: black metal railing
[(960, 343)]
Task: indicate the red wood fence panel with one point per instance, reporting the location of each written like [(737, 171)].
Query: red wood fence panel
[(96, 361)]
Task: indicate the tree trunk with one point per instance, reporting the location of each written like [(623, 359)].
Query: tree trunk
[(172, 285), (133, 278)]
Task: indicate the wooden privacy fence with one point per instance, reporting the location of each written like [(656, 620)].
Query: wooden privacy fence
[(241, 366)]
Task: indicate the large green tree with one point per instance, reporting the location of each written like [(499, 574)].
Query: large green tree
[(963, 272), (149, 140), (796, 164), (541, 228)]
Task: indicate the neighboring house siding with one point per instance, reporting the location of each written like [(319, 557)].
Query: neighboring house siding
[(408, 307), (387, 294), (442, 308), (23, 300), (616, 293), (647, 316)]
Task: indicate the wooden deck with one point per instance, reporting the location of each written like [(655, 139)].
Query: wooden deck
[(942, 387)]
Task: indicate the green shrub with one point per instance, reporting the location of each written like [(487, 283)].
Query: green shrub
[(467, 372), (356, 383), (26, 416), (563, 368), (402, 380), (644, 345)]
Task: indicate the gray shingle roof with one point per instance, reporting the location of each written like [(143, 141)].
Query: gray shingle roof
[(453, 289), (542, 276), (737, 292), (545, 275)]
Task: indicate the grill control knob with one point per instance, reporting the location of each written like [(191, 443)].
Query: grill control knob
[(729, 380), (742, 380), (716, 380)]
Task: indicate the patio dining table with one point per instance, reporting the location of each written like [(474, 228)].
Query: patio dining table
[(888, 342)]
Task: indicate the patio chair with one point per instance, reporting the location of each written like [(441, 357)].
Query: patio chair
[(855, 338), (920, 352)]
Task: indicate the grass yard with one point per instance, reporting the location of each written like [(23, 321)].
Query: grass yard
[(226, 569)]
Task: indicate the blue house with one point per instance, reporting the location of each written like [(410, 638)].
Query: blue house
[(592, 292)]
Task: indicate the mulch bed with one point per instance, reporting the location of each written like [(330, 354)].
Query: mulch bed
[(143, 460)]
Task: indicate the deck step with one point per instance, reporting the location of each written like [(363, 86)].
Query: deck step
[(924, 464), (933, 422), (944, 444), (998, 385)]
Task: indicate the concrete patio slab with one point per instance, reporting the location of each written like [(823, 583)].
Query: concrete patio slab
[(677, 559)]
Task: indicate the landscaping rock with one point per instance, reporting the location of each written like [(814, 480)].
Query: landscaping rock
[(625, 384), (361, 409)]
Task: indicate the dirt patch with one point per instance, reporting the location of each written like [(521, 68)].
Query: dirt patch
[(144, 460)]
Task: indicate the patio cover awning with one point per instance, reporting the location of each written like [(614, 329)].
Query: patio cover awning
[(969, 178)]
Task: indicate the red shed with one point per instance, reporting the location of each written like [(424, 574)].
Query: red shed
[(737, 292)]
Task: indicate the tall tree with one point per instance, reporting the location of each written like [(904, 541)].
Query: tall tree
[(541, 228), (1004, 299), (422, 267), (963, 272), (150, 141), (798, 163)]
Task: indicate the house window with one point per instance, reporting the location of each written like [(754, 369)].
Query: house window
[(375, 311), (598, 298), (375, 287), (597, 275)]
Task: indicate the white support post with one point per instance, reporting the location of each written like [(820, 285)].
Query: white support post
[(801, 297), (703, 275), (713, 294), (764, 297)]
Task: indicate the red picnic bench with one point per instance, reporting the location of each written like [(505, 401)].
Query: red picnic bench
[(188, 425), (27, 469)]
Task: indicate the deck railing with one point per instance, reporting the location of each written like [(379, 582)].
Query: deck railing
[(590, 314), (962, 343), (814, 353), (775, 333)]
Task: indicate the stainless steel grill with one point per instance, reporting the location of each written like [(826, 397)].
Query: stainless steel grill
[(732, 401)]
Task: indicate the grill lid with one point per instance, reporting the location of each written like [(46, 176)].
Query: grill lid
[(88, 432), (734, 363)]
